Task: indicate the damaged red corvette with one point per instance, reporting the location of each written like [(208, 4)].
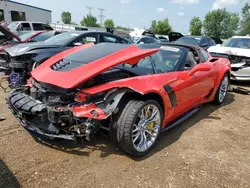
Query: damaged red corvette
[(133, 92)]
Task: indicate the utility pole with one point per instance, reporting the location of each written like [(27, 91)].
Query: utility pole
[(101, 16), (90, 9)]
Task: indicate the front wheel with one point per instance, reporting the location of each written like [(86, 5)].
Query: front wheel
[(222, 91), (138, 127)]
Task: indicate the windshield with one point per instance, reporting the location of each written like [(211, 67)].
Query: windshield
[(62, 39), (26, 36), (237, 43), (189, 40), (167, 59), (13, 25)]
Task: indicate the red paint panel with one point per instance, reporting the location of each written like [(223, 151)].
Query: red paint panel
[(44, 73)]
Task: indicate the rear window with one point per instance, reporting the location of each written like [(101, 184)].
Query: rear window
[(38, 27), (43, 36), (189, 40)]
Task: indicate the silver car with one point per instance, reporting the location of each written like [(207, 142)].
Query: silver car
[(237, 49)]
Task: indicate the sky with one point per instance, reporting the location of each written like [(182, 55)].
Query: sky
[(138, 13)]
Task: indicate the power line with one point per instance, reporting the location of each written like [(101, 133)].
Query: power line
[(90, 9), (101, 15)]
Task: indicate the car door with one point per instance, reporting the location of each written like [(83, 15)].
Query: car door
[(85, 38), (23, 28), (190, 89)]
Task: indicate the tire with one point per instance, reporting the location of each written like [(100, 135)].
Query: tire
[(128, 126), (219, 99)]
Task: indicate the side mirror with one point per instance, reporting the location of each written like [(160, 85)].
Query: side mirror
[(199, 67), (78, 44)]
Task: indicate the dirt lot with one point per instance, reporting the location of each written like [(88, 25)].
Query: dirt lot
[(209, 150)]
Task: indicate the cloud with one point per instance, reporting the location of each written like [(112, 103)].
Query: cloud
[(222, 3), (185, 2), (182, 8), (125, 1), (181, 13), (160, 10)]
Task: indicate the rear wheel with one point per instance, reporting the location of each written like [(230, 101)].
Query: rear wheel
[(138, 127), (222, 91)]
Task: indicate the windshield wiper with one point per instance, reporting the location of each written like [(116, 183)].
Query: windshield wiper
[(153, 64)]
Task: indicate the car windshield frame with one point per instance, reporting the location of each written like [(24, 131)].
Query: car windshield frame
[(152, 60), (25, 36), (62, 39), (13, 25), (233, 43)]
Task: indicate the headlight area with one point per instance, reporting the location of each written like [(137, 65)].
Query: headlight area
[(22, 62), (98, 106)]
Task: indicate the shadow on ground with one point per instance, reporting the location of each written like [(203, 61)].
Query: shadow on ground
[(7, 178), (166, 139)]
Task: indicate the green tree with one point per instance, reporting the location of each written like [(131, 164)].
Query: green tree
[(161, 27), (245, 22), (195, 26), (89, 21), (66, 17), (123, 28), (220, 23), (109, 23)]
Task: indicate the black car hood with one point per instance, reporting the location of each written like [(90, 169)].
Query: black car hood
[(21, 49)]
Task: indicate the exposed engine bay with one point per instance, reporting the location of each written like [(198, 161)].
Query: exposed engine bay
[(52, 111), (18, 68)]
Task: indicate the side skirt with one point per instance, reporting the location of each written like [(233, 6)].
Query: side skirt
[(181, 119)]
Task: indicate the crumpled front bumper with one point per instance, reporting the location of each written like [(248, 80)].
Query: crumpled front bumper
[(33, 116)]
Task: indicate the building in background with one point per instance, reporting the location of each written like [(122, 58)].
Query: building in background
[(14, 11)]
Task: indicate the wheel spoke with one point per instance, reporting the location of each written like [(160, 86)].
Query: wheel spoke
[(146, 131), (136, 128), (136, 138)]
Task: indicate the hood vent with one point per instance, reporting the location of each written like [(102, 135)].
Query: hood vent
[(60, 65)]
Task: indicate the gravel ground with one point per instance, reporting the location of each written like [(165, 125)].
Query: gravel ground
[(209, 150)]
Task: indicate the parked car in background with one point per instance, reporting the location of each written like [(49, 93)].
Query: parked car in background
[(146, 40), (201, 41), (23, 58), (133, 92), (22, 27), (7, 38), (217, 40), (237, 50)]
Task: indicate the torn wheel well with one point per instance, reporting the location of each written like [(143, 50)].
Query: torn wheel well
[(137, 96)]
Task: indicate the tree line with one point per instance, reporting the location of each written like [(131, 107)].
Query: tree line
[(222, 23), (217, 23), (89, 21)]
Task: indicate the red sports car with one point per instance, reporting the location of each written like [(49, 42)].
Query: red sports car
[(132, 91)]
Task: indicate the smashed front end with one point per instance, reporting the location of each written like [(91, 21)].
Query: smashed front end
[(240, 67), (49, 111)]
